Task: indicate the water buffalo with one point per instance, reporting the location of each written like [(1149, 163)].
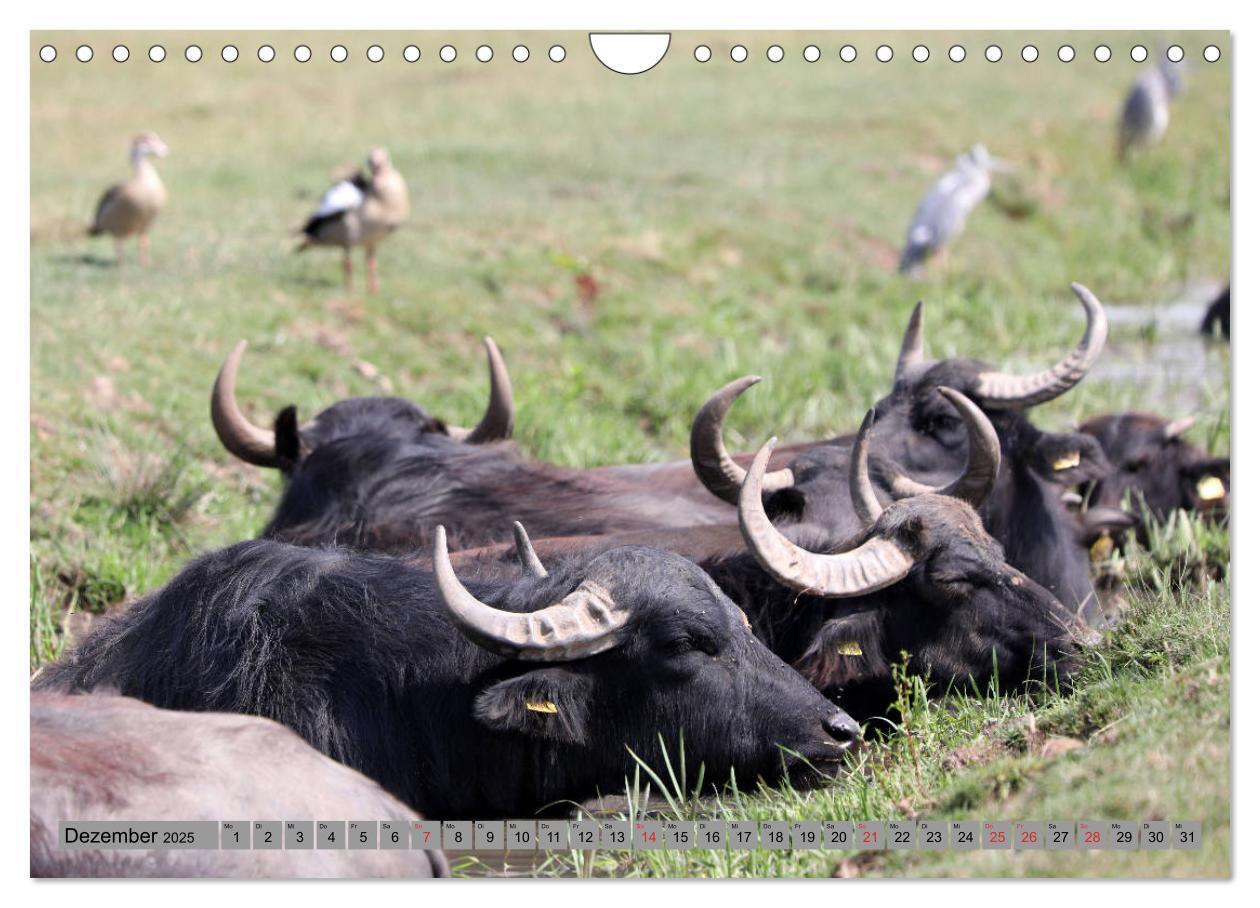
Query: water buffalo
[(1216, 317), (918, 431), (380, 474), (920, 575), (502, 699), (1154, 464), (110, 758)]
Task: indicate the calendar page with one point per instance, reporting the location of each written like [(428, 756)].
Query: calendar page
[(563, 454)]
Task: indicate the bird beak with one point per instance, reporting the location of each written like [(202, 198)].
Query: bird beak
[(161, 149), (1000, 165)]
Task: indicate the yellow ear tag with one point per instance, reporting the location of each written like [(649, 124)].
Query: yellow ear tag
[(1210, 488), (849, 648), (1101, 548), (541, 706), (1068, 460)]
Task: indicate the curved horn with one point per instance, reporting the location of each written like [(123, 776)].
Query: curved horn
[(1001, 390), (525, 552), (714, 467), (240, 436), (583, 623), (496, 424), (862, 493), (911, 345), (1178, 427), (984, 459), (873, 565)]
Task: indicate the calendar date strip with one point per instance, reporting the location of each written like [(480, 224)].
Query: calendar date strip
[(637, 835)]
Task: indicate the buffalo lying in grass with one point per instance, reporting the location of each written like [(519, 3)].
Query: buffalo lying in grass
[(841, 602), (918, 432), (381, 474), (504, 700)]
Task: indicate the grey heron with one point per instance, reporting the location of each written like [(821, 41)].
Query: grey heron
[(943, 211), (1144, 117)]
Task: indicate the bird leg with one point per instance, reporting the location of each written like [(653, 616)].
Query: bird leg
[(374, 285), (144, 250), (347, 268), (118, 251)]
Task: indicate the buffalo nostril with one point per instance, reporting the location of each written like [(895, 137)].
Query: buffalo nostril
[(841, 726)]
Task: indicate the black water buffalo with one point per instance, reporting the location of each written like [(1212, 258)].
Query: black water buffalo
[(110, 758), (841, 602), (917, 431), (503, 700), (923, 581), (381, 473), (1216, 318), (1155, 465)]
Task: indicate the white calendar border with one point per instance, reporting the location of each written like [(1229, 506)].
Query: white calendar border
[(571, 14)]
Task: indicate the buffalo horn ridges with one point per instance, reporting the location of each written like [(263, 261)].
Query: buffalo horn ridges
[(873, 565), (585, 622)]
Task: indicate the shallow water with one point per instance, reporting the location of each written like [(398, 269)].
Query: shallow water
[(1158, 346)]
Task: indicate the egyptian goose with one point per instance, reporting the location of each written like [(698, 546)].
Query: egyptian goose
[(128, 209), (360, 211)]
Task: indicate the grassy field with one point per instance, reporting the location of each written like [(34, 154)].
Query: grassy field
[(633, 243)]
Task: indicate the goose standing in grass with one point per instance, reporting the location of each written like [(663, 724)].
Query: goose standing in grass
[(1144, 117), (943, 211), (360, 211), (128, 209)]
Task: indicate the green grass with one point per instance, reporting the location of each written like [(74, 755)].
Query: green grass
[(735, 219)]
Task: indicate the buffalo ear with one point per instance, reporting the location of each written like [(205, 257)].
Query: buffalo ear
[(1069, 458), (786, 503), (846, 651), (550, 703), (288, 438)]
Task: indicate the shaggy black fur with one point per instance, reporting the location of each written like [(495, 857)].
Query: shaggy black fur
[(381, 474), (354, 653), (963, 615)]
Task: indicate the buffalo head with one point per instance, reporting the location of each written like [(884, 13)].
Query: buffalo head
[(922, 578), (1154, 463)]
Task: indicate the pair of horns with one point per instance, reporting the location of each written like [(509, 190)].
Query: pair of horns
[(876, 563), (1004, 391), (257, 445), (585, 622), (726, 479)]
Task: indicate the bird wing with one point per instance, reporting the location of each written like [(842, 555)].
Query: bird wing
[(340, 198), (107, 199)]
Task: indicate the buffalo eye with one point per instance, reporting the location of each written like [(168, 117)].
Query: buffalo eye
[(940, 424), (696, 642)]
